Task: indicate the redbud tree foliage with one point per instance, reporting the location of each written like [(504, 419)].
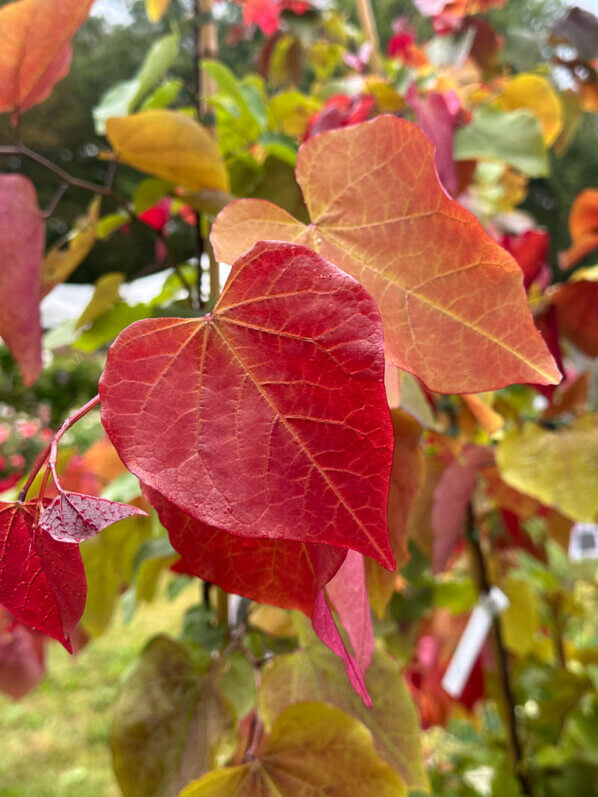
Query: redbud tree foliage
[(384, 410)]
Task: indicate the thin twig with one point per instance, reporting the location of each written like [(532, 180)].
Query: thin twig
[(55, 200), (484, 586), (104, 190), (51, 449)]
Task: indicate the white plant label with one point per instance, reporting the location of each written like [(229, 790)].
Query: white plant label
[(472, 641)]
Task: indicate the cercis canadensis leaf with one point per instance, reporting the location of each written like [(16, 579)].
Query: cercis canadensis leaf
[(22, 235), (268, 417), (170, 145), (285, 574), (35, 48), (313, 749), (452, 300), (73, 517), (42, 581)]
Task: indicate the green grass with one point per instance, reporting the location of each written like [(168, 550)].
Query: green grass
[(55, 740)]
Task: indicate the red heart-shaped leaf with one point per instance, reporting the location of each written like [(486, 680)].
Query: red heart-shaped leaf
[(42, 581), (284, 574), (268, 417)]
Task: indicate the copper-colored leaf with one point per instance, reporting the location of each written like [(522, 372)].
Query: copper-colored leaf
[(35, 50), (576, 304), (406, 479), (42, 582), (583, 228), (268, 417), (21, 248), (451, 299)]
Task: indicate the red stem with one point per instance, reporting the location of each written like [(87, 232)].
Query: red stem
[(51, 449)]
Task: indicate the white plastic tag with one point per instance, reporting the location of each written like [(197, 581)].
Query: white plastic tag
[(583, 543), (472, 641)]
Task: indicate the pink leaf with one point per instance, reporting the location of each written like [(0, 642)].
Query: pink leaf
[(22, 239), (325, 627), (348, 593), (73, 517), (451, 497)]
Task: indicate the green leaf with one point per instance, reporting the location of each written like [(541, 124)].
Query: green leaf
[(104, 296), (124, 97), (164, 96), (109, 324), (312, 749), (171, 724), (314, 673), (108, 560), (512, 137)]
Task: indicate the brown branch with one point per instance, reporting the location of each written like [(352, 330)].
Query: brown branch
[(368, 24), (484, 586), (104, 190)]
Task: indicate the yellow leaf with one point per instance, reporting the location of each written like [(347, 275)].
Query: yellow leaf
[(313, 749), (156, 9), (520, 621), (170, 145), (387, 98), (290, 111), (536, 94), (104, 296), (61, 261), (558, 468), (314, 673)]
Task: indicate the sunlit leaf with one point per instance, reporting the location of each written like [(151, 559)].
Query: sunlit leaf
[(170, 145), (437, 276), (64, 257), (536, 94), (125, 97), (156, 9), (104, 296)]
